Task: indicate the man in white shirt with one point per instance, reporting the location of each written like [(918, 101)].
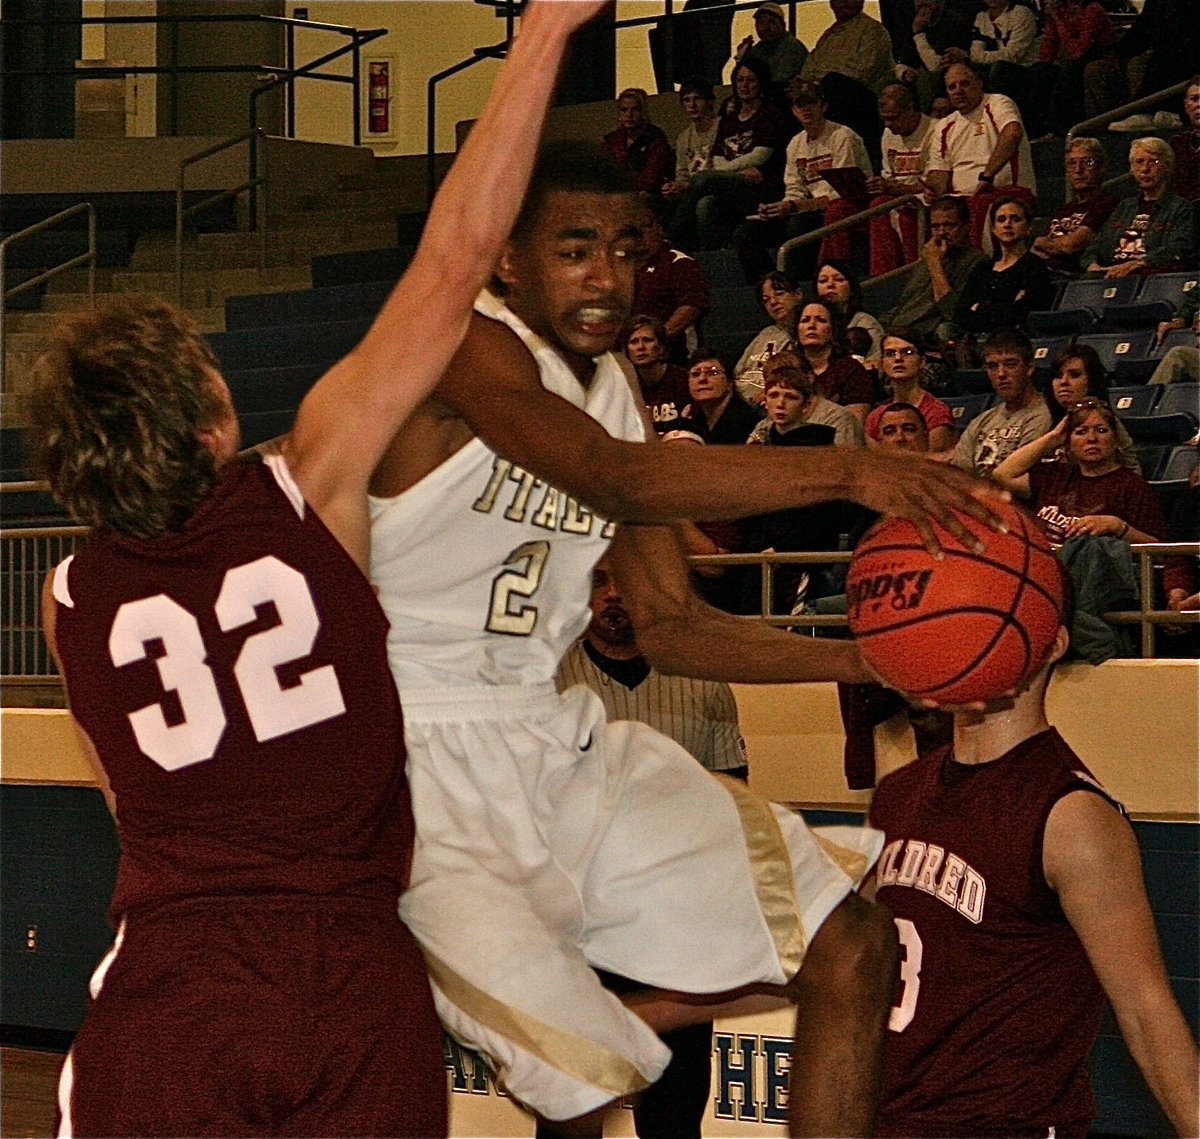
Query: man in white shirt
[(980, 150), (893, 236), (1003, 45), (693, 147), (821, 145)]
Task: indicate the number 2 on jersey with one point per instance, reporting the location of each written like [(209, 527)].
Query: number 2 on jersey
[(182, 666), (528, 561)]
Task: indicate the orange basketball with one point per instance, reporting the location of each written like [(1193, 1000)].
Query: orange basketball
[(968, 627)]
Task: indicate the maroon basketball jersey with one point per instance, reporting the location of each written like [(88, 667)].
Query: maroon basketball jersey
[(233, 677), (996, 1005)]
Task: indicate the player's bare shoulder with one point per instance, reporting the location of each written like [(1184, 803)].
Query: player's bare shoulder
[(490, 360)]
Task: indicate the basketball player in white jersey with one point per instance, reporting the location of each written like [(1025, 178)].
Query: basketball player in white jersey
[(547, 840)]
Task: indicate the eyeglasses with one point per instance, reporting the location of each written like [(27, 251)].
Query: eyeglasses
[(714, 371), (1087, 162), (898, 353), (1088, 404)]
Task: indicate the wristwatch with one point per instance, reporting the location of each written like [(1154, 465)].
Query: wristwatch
[(988, 178)]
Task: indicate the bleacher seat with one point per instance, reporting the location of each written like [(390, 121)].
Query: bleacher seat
[(1098, 293), (721, 267), (1167, 287), (287, 345), (1140, 314), (302, 306), (733, 311), (1151, 457), (362, 265), (1178, 338), (1061, 322), (1045, 348), (1181, 461), (272, 389), (1179, 399), (259, 426), (1172, 419), (14, 454), (971, 381), (1129, 357), (1138, 400), (964, 408), (728, 347)]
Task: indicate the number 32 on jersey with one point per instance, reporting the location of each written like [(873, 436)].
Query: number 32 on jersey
[(272, 710)]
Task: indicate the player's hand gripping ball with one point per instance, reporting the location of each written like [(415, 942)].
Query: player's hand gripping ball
[(966, 628)]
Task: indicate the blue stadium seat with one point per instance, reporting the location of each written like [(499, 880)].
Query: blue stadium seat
[(272, 389), (362, 265), (286, 345), (1178, 338), (1061, 322), (721, 267), (1177, 398), (302, 306), (1180, 463), (971, 381), (734, 310), (1141, 314), (1098, 293), (1138, 400), (1151, 457), (1129, 357), (1046, 348), (1166, 287), (964, 408)]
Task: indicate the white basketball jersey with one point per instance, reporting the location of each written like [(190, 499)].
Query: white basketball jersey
[(483, 569)]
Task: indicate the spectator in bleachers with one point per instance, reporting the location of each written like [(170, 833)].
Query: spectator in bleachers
[(821, 340), (1004, 293), (902, 428), (638, 145), (1076, 36), (818, 146), (936, 281), (981, 150), (693, 147), (1186, 145), (716, 407), (853, 62), (903, 357), (1003, 46), (793, 400), (1158, 51), (1020, 418), (776, 46), (1077, 373), (664, 386), (936, 28), (837, 285), (741, 172), (1180, 578), (1074, 224), (1086, 489), (799, 416), (1152, 231), (669, 285), (892, 236), (781, 297), (1181, 363)]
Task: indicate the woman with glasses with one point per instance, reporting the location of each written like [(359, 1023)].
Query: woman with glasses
[(780, 297), (1086, 489), (902, 358), (1075, 223), (1152, 231), (720, 413)]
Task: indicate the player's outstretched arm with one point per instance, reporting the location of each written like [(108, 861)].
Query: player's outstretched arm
[(1091, 859), (680, 633), (346, 422), (493, 384)]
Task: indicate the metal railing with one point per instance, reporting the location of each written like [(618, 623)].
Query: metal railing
[(258, 202), (855, 220), (508, 9), (27, 555), (1128, 108), (88, 258)]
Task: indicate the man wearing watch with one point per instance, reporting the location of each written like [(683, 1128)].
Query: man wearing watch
[(980, 149)]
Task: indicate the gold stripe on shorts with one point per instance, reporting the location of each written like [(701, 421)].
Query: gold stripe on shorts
[(576, 1056), (853, 862), (771, 867)]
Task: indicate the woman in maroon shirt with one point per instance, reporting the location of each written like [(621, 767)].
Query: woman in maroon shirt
[(821, 336), (1086, 490)]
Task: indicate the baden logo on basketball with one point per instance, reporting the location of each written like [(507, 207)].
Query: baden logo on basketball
[(902, 590)]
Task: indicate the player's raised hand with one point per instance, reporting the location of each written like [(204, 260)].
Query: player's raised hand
[(924, 493)]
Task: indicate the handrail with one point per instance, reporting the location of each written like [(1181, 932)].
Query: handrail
[(497, 51), (253, 182), (1121, 112), (845, 223), (89, 258)]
